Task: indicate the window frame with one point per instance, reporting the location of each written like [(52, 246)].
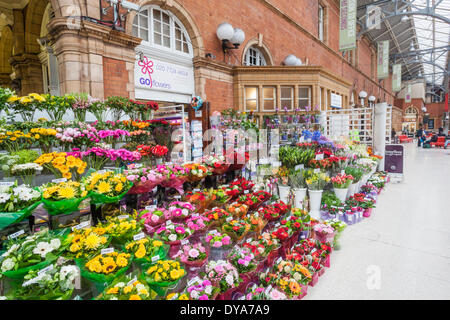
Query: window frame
[(321, 22), (292, 98), (274, 99), (259, 57), (301, 98), (174, 24), (247, 99)]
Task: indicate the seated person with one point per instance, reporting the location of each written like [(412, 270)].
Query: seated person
[(433, 138)]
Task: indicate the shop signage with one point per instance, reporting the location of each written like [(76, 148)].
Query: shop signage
[(336, 101), (397, 77), (347, 25), (430, 123), (383, 59), (157, 76), (393, 158), (408, 94)]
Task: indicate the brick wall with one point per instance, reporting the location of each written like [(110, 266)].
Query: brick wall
[(115, 78), (436, 111), (220, 93)]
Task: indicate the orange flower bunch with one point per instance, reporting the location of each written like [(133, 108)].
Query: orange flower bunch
[(136, 124), (237, 209)]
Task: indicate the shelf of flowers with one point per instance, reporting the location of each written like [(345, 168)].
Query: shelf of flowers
[(240, 240)]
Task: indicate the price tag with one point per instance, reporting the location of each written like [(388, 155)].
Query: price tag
[(155, 258), (249, 240), (213, 231), (6, 184), (124, 216), (263, 161), (138, 165), (169, 222), (177, 197), (49, 268), (268, 289), (277, 164), (299, 167), (198, 114), (152, 207), (313, 250), (277, 224), (139, 236), (185, 241), (174, 297), (81, 225), (192, 281), (319, 156), (107, 250), (279, 260), (132, 281), (59, 180), (112, 168), (342, 171), (155, 189), (302, 139), (101, 171), (229, 219), (196, 190), (16, 234), (246, 191), (317, 170)]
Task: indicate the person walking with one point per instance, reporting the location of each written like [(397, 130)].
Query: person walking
[(420, 135)]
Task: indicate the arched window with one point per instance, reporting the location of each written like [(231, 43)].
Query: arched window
[(50, 66), (411, 110), (254, 57), (161, 29)]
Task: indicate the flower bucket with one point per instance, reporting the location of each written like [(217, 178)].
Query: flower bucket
[(326, 261), (341, 193), (352, 189), (9, 218), (284, 193), (315, 198), (315, 278), (324, 215), (321, 272), (350, 218), (324, 237), (367, 212), (299, 196)]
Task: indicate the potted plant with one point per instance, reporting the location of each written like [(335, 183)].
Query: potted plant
[(356, 173), (341, 182), (316, 182)]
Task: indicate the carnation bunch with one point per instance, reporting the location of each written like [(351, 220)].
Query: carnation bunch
[(223, 273)]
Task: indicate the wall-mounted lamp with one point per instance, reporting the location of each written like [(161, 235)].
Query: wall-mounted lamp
[(292, 60), (127, 5), (229, 35), (362, 96), (371, 100)]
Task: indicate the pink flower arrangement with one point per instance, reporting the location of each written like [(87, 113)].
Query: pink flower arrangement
[(243, 259), (115, 134), (192, 252), (217, 239), (201, 289), (198, 222), (180, 210), (154, 217), (173, 233), (144, 179)]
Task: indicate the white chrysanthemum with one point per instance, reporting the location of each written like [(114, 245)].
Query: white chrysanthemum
[(7, 264), (120, 285), (55, 243), (4, 197), (42, 248)]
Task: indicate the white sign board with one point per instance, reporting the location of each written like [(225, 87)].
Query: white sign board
[(160, 80), (336, 101)]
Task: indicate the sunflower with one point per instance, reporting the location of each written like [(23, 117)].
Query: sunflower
[(104, 187), (109, 267), (66, 192)]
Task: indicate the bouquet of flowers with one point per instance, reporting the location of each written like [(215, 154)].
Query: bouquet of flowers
[(63, 197), (144, 179), (86, 242), (236, 229), (262, 293), (243, 259), (62, 165), (341, 181), (17, 203), (104, 268), (338, 226), (223, 274), (201, 289), (154, 217), (192, 255), (323, 232), (127, 288), (218, 240), (107, 187), (26, 171), (217, 216), (175, 176), (232, 191), (146, 249), (121, 228), (179, 210), (254, 200), (269, 212), (238, 210), (164, 273), (216, 164), (53, 283), (317, 181), (32, 252), (219, 197), (197, 171), (264, 246), (173, 233), (281, 207), (198, 223)]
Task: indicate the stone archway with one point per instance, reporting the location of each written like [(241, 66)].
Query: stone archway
[(184, 17)]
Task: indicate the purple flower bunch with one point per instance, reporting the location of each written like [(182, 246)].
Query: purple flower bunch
[(115, 134)]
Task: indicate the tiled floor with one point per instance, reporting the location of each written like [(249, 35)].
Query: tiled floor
[(403, 250)]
